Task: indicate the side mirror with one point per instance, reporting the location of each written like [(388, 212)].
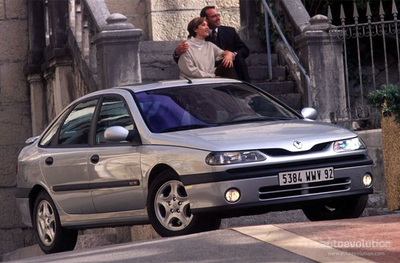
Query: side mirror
[(309, 113), (32, 140), (116, 134)]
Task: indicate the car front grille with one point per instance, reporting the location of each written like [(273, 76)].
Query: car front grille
[(276, 152), (274, 192)]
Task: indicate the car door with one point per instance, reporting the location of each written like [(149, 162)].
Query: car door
[(64, 159), (114, 168)]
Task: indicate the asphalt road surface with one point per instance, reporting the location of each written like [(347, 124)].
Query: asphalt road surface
[(217, 246)]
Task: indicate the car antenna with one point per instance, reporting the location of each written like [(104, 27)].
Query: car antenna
[(189, 80)]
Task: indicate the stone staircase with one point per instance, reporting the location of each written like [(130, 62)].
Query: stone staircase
[(157, 64)]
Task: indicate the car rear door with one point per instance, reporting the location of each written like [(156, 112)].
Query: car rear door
[(114, 168)]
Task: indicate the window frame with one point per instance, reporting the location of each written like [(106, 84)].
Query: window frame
[(92, 140), (55, 143)]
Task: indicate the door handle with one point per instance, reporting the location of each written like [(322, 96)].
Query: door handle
[(94, 159), (49, 160)]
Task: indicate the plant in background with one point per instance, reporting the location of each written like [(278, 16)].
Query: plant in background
[(387, 99)]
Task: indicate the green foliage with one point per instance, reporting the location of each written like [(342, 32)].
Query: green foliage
[(387, 99)]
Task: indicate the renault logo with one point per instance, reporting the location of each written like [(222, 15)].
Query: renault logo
[(298, 144)]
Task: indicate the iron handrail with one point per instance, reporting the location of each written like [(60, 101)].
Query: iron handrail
[(268, 13)]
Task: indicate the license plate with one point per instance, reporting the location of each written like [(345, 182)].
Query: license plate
[(306, 176)]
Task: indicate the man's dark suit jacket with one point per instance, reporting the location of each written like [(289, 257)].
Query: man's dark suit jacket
[(228, 39)]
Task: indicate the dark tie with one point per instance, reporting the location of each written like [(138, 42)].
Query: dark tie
[(214, 34)]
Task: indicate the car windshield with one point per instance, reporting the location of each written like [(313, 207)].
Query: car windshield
[(182, 108)]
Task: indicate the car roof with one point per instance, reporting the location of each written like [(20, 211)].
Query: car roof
[(156, 85), (175, 83)]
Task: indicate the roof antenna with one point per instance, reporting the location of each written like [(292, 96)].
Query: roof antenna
[(189, 80)]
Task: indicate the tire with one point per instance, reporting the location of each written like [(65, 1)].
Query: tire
[(51, 236), (168, 208), (338, 208)]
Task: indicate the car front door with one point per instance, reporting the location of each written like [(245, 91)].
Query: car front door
[(114, 168), (64, 159)]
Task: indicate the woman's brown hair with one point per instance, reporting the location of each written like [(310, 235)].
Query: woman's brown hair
[(194, 24)]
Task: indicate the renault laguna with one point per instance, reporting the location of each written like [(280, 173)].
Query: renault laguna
[(181, 155)]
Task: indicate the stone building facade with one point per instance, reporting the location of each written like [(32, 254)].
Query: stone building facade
[(166, 20), (15, 119)]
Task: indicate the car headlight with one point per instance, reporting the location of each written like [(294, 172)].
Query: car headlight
[(348, 145), (217, 158)]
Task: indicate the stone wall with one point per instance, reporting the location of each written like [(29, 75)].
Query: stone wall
[(373, 140), (15, 123), (166, 20)]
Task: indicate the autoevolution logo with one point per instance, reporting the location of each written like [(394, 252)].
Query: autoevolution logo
[(298, 144), (357, 243)]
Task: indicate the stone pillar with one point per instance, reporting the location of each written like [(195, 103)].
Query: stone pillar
[(38, 102), (248, 20), (118, 53), (321, 55), (248, 31), (59, 85)]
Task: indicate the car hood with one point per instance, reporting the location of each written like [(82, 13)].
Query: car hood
[(255, 135)]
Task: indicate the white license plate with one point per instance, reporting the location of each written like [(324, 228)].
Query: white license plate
[(306, 176)]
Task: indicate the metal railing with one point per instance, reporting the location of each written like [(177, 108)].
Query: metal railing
[(269, 15), (370, 43)]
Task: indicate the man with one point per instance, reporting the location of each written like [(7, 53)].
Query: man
[(224, 37)]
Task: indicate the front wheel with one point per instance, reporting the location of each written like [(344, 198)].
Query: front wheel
[(52, 237), (338, 208), (168, 208)]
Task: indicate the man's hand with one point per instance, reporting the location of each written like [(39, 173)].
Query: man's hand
[(182, 48), (227, 62)]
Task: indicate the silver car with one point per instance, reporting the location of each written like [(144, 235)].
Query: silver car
[(181, 155)]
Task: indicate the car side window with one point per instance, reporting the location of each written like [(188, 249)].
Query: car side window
[(48, 137), (113, 112), (76, 127)]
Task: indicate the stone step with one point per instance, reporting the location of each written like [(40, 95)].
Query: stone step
[(261, 59), (293, 100), (157, 63), (258, 73), (158, 72), (277, 87), (156, 60), (158, 47)]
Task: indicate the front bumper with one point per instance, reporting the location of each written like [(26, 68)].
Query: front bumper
[(260, 188), (23, 205), (22, 199)]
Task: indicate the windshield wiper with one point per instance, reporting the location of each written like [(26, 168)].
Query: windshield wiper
[(188, 127)]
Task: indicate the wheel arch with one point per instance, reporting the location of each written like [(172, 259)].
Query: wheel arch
[(159, 168), (32, 197)]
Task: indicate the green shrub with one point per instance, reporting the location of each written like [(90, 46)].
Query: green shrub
[(387, 99)]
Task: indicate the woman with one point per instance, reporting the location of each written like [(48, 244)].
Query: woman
[(199, 60)]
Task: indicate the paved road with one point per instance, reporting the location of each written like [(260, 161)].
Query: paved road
[(366, 239)]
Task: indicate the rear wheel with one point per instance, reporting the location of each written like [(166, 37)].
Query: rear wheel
[(52, 237), (168, 208), (338, 208)]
